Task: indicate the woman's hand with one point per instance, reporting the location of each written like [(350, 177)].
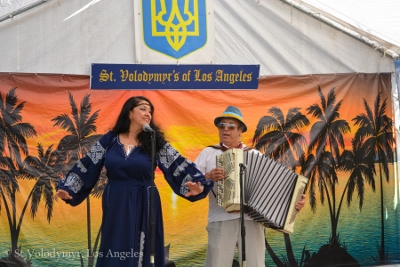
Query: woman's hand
[(300, 203), (194, 188), (215, 174), (62, 194)]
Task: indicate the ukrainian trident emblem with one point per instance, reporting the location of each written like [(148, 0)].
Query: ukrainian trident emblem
[(175, 27)]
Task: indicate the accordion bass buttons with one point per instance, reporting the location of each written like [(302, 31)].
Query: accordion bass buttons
[(220, 192)]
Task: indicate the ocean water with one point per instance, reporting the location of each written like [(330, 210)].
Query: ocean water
[(60, 242)]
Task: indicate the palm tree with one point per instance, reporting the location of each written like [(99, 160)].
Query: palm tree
[(40, 168), (376, 129), (360, 163), (322, 170), (275, 137), (326, 138), (8, 187), (13, 134), (81, 128), (328, 131)]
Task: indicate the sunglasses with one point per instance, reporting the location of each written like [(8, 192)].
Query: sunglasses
[(223, 125)]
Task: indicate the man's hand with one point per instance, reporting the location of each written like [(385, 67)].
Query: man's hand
[(215, 174), (300, 203)]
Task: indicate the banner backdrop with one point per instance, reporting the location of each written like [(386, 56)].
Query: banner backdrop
[(335, 129)]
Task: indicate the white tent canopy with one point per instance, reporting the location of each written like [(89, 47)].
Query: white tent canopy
[(380, 19), (284, 37)]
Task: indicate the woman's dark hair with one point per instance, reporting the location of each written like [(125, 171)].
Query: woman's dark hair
[(144, 138)]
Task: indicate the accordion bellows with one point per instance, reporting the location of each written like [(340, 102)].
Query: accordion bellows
[(271, 190)]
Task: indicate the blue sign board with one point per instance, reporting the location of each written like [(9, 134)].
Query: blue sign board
[(174, 77)]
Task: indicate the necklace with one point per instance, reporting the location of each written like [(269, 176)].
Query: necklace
[(129, 148)]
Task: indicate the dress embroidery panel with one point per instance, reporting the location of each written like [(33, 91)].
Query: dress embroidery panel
[(96, 153), (168, 155), (81, 167), (73, 182)]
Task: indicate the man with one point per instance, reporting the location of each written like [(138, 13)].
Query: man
[(223, 228)]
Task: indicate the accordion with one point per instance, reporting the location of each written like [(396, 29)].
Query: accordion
[(271, 190)]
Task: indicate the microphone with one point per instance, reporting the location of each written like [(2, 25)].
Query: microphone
[(147, 128)]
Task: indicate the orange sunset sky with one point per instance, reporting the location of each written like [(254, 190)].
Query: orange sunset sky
[(187, 115)]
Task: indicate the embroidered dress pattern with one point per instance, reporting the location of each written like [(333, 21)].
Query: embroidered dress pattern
[(96, 152), (180, 168), (73, 182), (168, 155), (142, 236), (81, 167), (184, 189)]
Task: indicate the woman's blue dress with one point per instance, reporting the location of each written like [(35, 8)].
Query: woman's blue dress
[(125, 232)]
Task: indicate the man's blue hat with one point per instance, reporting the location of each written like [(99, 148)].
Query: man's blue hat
[(231, 112)]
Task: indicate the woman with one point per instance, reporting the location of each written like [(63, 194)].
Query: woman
[(125, 152)]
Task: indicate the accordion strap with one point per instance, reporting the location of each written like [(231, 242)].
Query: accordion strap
[(225, 149)]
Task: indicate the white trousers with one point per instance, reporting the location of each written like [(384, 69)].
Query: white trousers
[(223, 237)]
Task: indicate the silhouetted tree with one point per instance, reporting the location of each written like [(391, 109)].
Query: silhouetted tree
[(13, 134), (360, 163), (376, 131), (275, 137), (81, 128), (40, 169), (326, 139)]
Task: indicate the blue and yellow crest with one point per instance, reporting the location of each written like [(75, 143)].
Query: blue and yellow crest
[(174, 27)]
